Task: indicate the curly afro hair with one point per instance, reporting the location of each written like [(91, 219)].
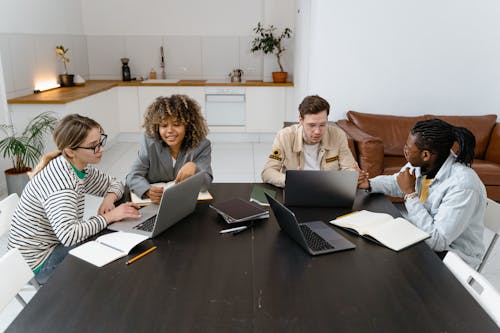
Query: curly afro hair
[(180, 108)]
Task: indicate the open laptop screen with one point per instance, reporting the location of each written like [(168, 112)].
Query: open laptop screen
[(314, 188)]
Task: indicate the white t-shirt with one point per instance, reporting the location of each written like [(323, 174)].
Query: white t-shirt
[(311, 161)]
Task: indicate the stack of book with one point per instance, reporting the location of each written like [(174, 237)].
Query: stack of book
[(238, 210)]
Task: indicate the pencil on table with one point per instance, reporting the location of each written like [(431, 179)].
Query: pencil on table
[(139, 256)]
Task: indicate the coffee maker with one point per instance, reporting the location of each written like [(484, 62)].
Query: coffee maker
[(125, 69)]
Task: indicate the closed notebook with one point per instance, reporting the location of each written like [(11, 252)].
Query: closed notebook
[(394, 233), (107, 248), (238, 210)]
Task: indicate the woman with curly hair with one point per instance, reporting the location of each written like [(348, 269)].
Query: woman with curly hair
[(174, 146)]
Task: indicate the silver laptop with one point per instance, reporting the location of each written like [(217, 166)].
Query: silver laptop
[(316, 237), (177, 202), (315, 188)]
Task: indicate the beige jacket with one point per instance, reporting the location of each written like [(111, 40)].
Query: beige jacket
[(288, 154)]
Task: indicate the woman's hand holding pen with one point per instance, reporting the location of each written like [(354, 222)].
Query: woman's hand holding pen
[(127, 209), (185, 172)]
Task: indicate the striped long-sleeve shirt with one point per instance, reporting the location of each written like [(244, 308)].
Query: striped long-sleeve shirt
[(50, 211)]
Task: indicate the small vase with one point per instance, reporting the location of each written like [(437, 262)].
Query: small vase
[(279, 77), (66, 80)]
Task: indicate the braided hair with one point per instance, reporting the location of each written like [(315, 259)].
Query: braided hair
[(437, 136)]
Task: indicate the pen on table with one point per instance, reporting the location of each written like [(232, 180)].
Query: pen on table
[(139, 256), (240, 230), (233, 229)]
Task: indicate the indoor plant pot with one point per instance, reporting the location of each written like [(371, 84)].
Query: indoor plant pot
[(267, 42), (66, 80), (25, 149), (279, 77)]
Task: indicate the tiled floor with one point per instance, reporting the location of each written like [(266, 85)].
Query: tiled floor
[(231, 162)]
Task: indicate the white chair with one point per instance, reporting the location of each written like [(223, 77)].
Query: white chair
[(15, 274), (492, 222), (15, 271), (7, 207), (484, 293)]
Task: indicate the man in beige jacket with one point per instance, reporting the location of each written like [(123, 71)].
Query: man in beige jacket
[(312, 144)]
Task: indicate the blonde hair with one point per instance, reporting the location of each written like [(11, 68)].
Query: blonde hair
[(179, 108), (70, 132)]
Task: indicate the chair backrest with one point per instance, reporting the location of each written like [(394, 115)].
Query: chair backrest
[(7, 207), (492, 216), (492, 222), (484, 293), (15, 274)]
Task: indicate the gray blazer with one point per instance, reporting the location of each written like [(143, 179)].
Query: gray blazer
[(154, 164)]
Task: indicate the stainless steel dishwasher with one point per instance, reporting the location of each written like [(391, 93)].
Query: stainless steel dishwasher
[(225, 106)]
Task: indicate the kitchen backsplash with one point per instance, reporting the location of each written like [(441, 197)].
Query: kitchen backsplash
[(30, 59)]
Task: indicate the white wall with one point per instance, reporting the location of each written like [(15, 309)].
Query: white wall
[(405, 57), (41, 17), (202, 39), (29, 33)]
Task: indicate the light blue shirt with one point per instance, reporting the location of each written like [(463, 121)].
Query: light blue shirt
[(453, 213)]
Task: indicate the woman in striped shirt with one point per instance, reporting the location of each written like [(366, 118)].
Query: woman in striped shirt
[(48, 220)]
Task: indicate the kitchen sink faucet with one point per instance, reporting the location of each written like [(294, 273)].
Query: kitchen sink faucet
[(163, 74)]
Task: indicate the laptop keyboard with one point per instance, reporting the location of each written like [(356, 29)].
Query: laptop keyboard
[(315, 241), (147, 225)]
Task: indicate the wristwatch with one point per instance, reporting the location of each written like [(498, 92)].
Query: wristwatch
[(411, 196)]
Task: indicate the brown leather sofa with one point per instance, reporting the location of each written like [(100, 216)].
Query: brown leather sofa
[(379, 142)]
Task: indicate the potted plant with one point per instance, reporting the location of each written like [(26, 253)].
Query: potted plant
[(25, 150), (269, 41), (66, 80)]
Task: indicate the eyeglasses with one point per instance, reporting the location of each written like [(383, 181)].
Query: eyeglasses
[(98, 146)]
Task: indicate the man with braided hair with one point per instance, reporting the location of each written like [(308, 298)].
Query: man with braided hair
[(443, 195)]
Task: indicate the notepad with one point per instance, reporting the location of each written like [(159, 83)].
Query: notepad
[(394, 233), (203, 195), (107, 248)]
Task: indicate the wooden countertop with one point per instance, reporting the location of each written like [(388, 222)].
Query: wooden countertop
[(92, 87)]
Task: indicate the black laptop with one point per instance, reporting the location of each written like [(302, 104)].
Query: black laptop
[(320, 188), (316, 237)]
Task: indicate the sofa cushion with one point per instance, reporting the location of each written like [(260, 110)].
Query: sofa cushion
[(480, 126), (489, 172), (393, 164), (393, 130)]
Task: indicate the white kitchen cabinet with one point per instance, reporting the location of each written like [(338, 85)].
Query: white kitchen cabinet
[(128, 108), (265, 109), (147, 95), (101, 107)]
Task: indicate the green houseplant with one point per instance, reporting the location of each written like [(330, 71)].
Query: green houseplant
[(24, 150), (66, 80), (268, 40)]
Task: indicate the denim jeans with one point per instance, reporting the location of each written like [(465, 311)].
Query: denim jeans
[(55, 258)]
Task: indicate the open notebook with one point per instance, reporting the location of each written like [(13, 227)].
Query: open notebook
[(394, 233), (107, 248), (203, 195)]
